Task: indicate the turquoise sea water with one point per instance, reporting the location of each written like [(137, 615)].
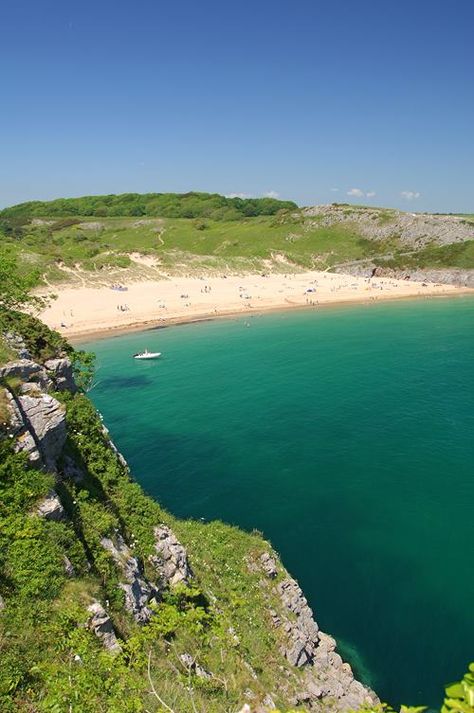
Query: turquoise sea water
[(347, 437)]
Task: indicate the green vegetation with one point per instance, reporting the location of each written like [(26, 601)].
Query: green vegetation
[(105, 245), (93, 238), (166, 205), (6, 352), (15, 287), (457, 255), (42, 342)]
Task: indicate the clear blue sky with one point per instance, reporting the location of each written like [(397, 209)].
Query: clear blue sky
[(299, 98)]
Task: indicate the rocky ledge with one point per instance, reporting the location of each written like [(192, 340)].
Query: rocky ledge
[(171, 559), (139, 592), (326, 677)]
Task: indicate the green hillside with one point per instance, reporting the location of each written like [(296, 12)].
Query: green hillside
[(95, 236)]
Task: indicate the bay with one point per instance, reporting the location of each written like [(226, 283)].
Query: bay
[(346, 436)]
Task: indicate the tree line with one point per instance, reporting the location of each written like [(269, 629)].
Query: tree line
[(166, 205)]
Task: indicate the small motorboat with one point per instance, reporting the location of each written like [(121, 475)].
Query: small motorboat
[(147, 355)]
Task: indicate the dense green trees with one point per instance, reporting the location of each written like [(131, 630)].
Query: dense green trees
[(166, 205)]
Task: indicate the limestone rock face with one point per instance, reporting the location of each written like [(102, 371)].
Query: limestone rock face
[(17, 343), (192, 666), (27, 370), (303, 636), (16, 427), (101, 624), (138, 590), (412, 229), (42, 432), (55, 374), (51, 508), (268, 565), (68, 567), (331, 678), (447, 276), (171, 559), (61, 372), (326, 676)]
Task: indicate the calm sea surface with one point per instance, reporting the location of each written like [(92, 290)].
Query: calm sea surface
[(347, 437)]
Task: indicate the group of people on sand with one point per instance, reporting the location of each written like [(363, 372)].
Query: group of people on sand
[(123, 308)]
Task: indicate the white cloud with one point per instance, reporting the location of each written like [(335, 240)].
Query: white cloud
[(356, 192), (359, 193), (268, 194), (410, 195), (335, 190)]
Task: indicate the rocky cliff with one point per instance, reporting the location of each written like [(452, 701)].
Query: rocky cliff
[(120, 606), (412, 229)]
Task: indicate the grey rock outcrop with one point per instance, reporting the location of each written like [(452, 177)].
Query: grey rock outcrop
[(54, 374), (268, 702), (325, 675), (101, 624), (41, 428), (192, 666), (446, 276), (268, 565), (27, 371), (17, 343), (51, 508), (302, 630), (139, 592), (68, 567), (25, 442), (171, 559), (411, 229), (112, 445), (330, 678), (62, 374)]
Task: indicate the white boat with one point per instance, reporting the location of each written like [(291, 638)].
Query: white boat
[(147, 355)]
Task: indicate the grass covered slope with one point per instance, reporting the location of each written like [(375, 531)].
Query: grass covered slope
[(55, 251), (100, 237)]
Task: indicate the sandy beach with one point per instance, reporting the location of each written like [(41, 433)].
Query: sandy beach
[(82, 311)]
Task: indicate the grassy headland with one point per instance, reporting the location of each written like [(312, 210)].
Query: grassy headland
[(71, 239)]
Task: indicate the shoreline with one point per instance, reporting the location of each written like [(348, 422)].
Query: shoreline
[(150, 326), (91, 313)]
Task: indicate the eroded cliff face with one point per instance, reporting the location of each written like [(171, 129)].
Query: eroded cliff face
[(302, 668), (444, 276)]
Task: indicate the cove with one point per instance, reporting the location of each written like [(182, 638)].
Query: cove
[(346, 436)]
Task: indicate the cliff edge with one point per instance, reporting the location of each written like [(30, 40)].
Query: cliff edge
[(108, 603)]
